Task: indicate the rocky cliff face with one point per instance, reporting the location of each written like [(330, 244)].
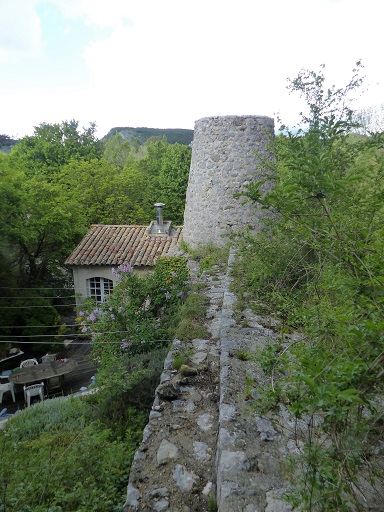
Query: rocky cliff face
[(180, 135)]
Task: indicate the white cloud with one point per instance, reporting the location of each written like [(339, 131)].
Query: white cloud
[(100, 13), (168, 63), (20, 29)]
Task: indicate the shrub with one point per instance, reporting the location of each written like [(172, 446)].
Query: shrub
[(319, 267)]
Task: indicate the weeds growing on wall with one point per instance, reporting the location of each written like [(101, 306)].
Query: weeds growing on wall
[(209, 256), (318, 266)]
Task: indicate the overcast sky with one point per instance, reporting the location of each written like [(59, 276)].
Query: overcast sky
[(167, 63)]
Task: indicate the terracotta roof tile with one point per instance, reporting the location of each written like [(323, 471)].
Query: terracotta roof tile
[(119, 244)]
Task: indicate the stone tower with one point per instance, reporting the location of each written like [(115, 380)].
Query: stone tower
[(224, 160)]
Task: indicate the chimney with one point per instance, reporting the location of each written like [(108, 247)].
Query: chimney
[(159, 228)]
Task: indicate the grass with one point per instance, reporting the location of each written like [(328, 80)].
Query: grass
[(212, 504), (191, 318), (209, 256), (249, 385), (180, 358), (244, 355)]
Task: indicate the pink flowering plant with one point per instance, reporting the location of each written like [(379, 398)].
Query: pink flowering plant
[(137, 317)]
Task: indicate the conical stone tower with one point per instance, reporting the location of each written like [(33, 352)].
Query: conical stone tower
[(224, 160)]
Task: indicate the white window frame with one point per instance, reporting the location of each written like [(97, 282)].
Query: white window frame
[(99, 288)]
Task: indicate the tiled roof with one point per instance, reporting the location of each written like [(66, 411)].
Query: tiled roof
[(116, 245)]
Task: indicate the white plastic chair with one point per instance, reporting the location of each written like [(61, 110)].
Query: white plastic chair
[(8, 386), (33, 390), (28, 362), (55, 385), (48, 358)]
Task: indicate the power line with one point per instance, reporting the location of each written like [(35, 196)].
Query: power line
[(67, 335), (41, 297), (93, 342), (41, 288), (60, 335), (35, 326), (48, 306), (44, 335)]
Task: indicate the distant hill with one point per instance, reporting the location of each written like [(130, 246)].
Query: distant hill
[(7, 143), (180, 135)]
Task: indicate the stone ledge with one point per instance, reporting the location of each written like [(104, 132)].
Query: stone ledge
[(201, 442)]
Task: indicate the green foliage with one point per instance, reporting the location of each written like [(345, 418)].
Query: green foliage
[(137, 317), (244, 355), (212, 504), (171, 274), (128, 387), (154, 151), (173, 181), (108, 195), (57, 455), (53, 145), (319, 266), (39, 222), (209, 256), (271, 359), (180, 358), (190, 318), (249, 386), (119, 152)]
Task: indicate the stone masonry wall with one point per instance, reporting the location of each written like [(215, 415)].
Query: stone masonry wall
[(203, 446), (224, 160)]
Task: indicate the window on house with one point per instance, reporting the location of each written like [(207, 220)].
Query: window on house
[(99, 288)]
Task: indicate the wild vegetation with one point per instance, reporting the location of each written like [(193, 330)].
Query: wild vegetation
[(53, 186), (318, 267), (75, 453), (138, 317)]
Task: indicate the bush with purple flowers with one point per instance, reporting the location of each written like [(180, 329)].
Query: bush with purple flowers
[(137, 316)]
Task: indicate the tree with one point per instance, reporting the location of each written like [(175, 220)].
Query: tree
[(322, 101), (54, 145), (154, 149), (109, 195), (118, 152), (319, 265), (370, 120), (39, 223), (173, 180)]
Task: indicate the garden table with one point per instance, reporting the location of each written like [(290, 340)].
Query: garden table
[(43, 371)]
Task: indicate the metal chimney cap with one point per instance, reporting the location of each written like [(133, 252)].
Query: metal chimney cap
[(159, 205)]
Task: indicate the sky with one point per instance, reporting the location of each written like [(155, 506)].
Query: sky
[(168, 63)]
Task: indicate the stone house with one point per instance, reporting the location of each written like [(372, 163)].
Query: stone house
[(106, 247)]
